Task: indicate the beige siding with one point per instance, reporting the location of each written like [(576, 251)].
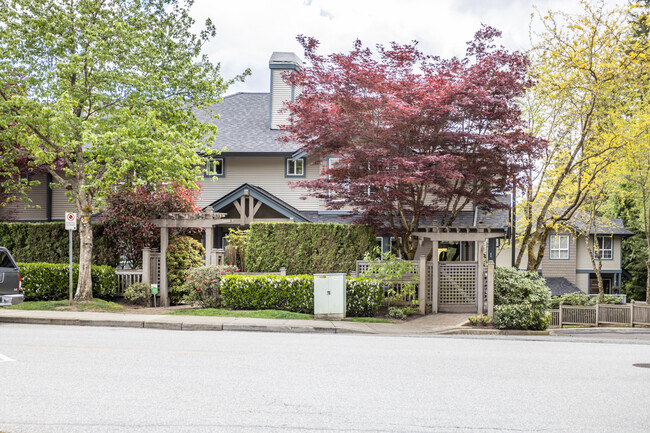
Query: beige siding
[(504, 257), (60, 204), (265, 172), (584, 262), (34, 211), (280, 92), (582, 281), (561, 268)]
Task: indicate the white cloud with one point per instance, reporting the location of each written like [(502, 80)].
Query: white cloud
[(249, 31)]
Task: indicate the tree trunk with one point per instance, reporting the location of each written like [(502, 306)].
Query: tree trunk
[(84, 285)]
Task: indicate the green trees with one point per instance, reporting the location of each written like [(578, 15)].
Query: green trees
[(580, 64), (93, 91)]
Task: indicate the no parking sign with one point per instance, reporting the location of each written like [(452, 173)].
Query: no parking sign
[(70, 221)]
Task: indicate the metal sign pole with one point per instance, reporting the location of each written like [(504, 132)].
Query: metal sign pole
[(70, 237), (70, 226)]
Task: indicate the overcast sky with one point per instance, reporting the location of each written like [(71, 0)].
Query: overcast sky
[(248, 31)]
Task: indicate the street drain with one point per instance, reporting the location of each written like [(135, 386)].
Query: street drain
[(641, 365)]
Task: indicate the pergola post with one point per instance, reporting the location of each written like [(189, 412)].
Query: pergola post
[(480, 277), (490, 299), (435, 276), (146, 265), (422, 288), (209, 243), (164, 243), (206, 219)]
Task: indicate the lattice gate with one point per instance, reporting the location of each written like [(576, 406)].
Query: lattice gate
[(457, 287)]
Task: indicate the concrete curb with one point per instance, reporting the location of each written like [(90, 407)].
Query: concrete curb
[(478, 331)]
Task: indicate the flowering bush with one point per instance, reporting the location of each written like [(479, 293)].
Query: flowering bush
[(203, 285)]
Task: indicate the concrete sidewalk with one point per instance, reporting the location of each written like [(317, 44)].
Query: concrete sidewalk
[(431, 324)]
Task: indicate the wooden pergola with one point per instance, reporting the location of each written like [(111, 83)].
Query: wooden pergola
[(436, 234), (205, 220)]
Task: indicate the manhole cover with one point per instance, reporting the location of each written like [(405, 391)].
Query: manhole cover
[(641, 365)]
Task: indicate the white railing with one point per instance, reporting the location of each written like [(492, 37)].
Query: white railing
[(634, 313)]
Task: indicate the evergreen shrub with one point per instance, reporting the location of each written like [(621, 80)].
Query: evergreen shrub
[(138, 293), (579, 298), (521, 299), (48, 243), (295, 293), (307, 248), (49, 282), (183, 253)]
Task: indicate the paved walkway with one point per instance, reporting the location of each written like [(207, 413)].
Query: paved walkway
[(445, 324), (431, 324)]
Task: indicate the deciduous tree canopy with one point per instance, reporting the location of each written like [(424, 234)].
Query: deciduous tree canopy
[(415, 137), (107, 88)]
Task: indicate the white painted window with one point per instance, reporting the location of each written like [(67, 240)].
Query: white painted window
[(559, 247), (380, 241), (214, 167), (296, 167), (605, 247)]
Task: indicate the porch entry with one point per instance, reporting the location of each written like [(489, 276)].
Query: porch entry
[(455, 286)]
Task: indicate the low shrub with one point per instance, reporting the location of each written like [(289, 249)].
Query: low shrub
[(203, 285), (49, 282), (521, 299), (183, 254), (268, 292), (396, 313), (579, 298), (479, 320), (138, 293), (295, 293), (364, 296)]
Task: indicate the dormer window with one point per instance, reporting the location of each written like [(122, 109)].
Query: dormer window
[(295, 167), (215, 167)]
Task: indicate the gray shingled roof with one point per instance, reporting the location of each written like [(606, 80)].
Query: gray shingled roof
[(244, 125), (560, 286), (604, 226), (495, 219)]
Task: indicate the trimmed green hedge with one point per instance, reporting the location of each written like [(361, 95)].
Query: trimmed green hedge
[(50, 282), (364, 296), (295, 293), (307, 248), (48, 242)]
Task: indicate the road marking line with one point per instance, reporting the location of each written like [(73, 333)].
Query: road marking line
[(4, 358)]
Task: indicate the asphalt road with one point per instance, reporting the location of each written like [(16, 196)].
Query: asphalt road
[(76, 379)]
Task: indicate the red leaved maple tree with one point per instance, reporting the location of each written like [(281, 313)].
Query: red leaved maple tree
[(416, 137), (129, 209)]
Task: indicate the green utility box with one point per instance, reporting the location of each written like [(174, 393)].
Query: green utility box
[(329, 296)]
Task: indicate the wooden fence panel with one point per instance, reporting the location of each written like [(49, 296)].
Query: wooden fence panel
[(555, 318), (614, 314), (634, 313), (574, 315), (641, 313), (126, 277)]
